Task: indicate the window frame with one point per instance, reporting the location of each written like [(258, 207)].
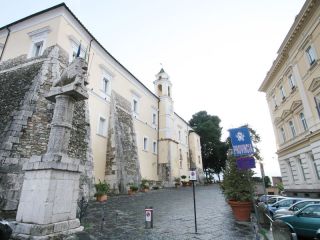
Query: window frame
[(38, 36), (274, 99), (154, 147), (102, 132), (292, 128), (145, 144), (303, 121), (311, 55), (292, 81), (283, 134), (282, 91), (74, 48)]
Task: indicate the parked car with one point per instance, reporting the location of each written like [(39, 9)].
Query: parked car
[(265, 198), (305, 222), (273, 200), (284, 203), (295, 207)]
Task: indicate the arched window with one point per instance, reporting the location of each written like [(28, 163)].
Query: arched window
[(159, 88)]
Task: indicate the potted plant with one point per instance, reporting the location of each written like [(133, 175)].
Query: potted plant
[(176, 182), (132, 189), (238, 187), (144, 186), (183, 181), (102, 188)]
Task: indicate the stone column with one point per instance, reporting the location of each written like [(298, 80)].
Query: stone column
[(61, 125), (50, 189)]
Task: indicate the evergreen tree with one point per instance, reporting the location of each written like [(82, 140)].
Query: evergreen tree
[(214, 152)]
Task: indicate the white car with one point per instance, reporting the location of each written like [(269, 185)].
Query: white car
[(275, 199), (295, 207)]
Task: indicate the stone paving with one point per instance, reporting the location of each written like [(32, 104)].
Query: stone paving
[(173, 216)]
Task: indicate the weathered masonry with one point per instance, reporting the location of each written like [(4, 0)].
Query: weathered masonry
[(122, 133), (25, 118)]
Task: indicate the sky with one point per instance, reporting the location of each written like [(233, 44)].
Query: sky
[(217, 53)]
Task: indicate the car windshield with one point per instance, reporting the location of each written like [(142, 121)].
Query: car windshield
[(301, 205), (285, 203), (272, 200), (311, 211)]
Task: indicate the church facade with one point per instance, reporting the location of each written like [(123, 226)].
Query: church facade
[(134, 132)]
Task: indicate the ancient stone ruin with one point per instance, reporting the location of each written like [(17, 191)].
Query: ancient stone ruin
[(45, 156), (122, 163)]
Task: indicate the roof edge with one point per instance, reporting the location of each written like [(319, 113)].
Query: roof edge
[(75, 17), (284, 45)]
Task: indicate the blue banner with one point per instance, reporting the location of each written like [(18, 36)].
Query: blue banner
[(241, 141), (246, 163)]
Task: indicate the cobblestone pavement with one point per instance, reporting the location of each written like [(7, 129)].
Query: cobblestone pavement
[(173, 216)]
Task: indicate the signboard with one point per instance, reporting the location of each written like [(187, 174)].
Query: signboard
[(193, 176), (241, 141), (148, 216), (246, 163)]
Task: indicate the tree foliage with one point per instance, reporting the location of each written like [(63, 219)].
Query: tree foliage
[(214, 152), (267, 181)]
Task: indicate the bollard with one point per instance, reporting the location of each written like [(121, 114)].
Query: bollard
[(149, 217)]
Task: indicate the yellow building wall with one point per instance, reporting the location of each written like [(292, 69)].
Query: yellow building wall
[(20, 42), (63, 28)]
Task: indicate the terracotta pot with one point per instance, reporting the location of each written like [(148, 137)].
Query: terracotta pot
[(102, 198), (130, 192), (144, 190), (241, 210), (184, 184)]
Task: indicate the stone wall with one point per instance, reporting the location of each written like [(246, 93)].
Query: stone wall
[(25, 117), (122, 163)]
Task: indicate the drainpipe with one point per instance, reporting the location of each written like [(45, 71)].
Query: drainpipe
[(5, 43), (190, 152), (158, 115)]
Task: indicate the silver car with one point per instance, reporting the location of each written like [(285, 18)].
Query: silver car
[(275, 199), (295, 207)]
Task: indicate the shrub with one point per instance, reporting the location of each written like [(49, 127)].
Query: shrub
[(237, 184), (134, 188), (144, 184), (102, 188)]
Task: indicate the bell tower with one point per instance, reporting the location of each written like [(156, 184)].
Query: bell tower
[(167, 144)]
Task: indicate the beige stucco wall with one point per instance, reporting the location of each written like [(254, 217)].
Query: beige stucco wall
[(63, 29), (298, 169), (19, 41)]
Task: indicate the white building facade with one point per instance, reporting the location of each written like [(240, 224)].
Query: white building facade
[(292, 91)]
